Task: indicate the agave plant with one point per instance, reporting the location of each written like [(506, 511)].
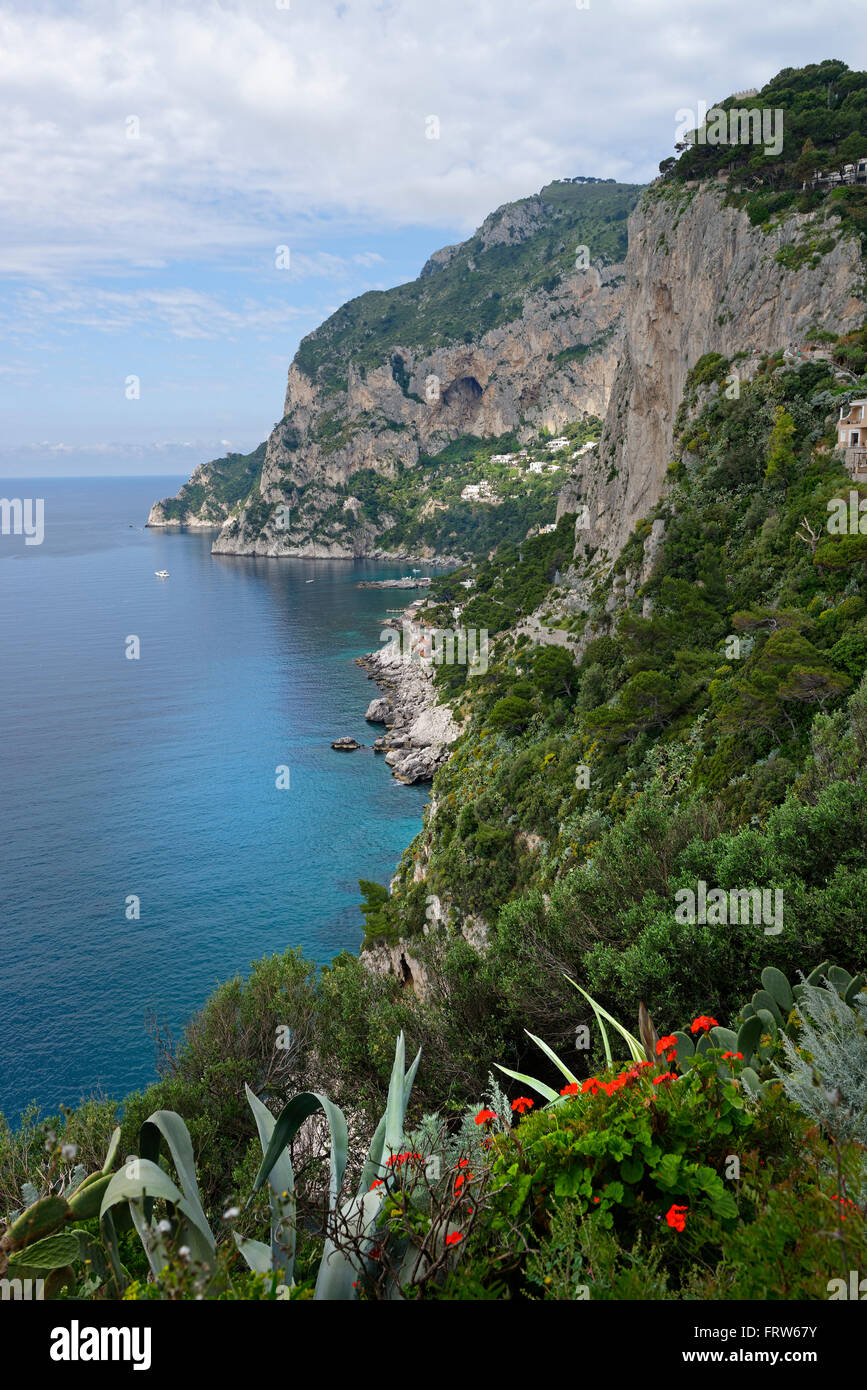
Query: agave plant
[(142, 1181), (352, 1223), (637, 1051)]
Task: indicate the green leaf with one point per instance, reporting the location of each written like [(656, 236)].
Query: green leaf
[(54, 1252), (112, 1150), (763, 1002), (749, 1035), (539, 1086), (551, 1054), (177, 1136), (86, 1202), (257, 1254), (281, 1180), (635, 1048), (778, 987), (724, 1039)]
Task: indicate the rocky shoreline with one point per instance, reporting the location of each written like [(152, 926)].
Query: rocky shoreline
[(419, 731)]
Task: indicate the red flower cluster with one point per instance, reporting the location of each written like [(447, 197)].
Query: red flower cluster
[(570, 1090), (703, 1024), (454, 1238), (484, 1116), (844, 1202), (397, 1160), (734, 1056), (676, 1217), (666, 1076), (668, 1046), (522, 1103)]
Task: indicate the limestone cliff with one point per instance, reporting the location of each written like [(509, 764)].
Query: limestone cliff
[(515, 329), (700, 278)]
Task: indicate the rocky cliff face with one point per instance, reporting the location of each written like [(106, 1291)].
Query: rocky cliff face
[(700, 278), (515, 329)]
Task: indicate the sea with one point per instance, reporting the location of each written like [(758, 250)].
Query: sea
[(170, 806)]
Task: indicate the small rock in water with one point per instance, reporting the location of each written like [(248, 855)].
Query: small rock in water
[(346, 744)]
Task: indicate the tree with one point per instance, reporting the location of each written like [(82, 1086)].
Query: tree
[(510, 714), (814, 685), (808, 164), (555, 672), (781, 454)]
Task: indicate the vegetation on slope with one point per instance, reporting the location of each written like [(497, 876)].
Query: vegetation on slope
[(480, 288), (229, 481)]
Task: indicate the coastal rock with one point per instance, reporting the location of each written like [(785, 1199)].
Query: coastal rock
[(379, 711), (420, 732), (346, 744)]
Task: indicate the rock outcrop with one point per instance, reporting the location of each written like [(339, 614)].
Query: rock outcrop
[(419, 731), (700, 278), (508, 332)]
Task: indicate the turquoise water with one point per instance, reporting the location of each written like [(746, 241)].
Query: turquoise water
[(156, 778)]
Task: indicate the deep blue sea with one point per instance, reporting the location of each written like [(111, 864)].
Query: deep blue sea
[(156, 778)]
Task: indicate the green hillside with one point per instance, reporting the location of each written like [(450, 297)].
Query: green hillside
[(477, 290)]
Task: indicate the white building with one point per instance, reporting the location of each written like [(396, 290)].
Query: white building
[(478, 492)]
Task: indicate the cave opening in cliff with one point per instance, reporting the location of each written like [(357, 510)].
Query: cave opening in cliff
[(464, 391)]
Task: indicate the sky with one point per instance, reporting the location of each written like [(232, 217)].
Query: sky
[(155, 157)]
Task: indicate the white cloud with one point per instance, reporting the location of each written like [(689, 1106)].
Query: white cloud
[(256, 123)]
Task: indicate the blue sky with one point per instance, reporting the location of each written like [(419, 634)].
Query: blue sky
[(155, 155)]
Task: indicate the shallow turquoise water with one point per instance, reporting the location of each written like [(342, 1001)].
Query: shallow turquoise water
[(156, 778)]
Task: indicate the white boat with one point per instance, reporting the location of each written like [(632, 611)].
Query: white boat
[(161, 574)]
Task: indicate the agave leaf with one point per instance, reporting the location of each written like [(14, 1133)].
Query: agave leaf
[(286, 1126), (649, 1035), (635, 1048), (338, 1272), (140, 1181), (177, 1136), (256, 1253), (281, 1180), (549, 1052), (538, 1086), (109, 1240)]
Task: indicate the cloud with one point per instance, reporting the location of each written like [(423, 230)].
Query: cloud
[(139, 135)]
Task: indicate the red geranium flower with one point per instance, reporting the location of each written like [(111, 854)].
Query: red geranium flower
[(676, 1217), (591, 1085), (735, 1056), (453, 1238), (664, 1043), (522, 1103), (484, 1116), (666, 1076), (570, 1090), (703, 1024)]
